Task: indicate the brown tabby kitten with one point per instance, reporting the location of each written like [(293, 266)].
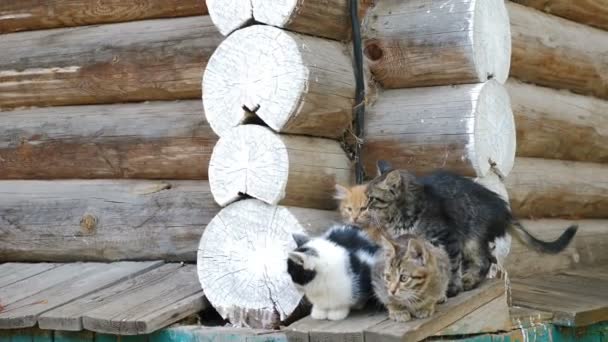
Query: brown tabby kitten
[(353, 209), (412, 277)]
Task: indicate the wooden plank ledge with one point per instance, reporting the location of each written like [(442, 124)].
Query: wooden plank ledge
[(576, 298), (25, 300), (375, 326)]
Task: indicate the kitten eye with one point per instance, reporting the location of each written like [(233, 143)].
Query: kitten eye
[(404, 278)]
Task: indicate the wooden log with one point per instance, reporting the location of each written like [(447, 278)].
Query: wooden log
[(159, 59), (102, 220), (422, 43), (588, 12), (27, 15), (169, 140), (294, 83), (558, 53), (277, 169), (558, 124), (462, 131), (553, 188), (587, 248), (242, 260), (323, 18)]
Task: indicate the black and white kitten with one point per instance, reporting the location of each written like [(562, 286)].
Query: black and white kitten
[(333, 270)]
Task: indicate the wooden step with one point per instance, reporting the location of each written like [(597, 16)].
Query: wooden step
[(375, 326), (122, 298), (575, 297)]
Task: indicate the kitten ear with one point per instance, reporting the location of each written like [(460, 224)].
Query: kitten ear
[(393, 180), (417, 252), (296, 257), (388, 246), (382, 167), (300, 239), (341, 192)]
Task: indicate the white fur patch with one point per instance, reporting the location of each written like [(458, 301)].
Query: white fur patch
[(332, 286)]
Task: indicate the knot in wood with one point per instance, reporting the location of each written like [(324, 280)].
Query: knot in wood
[(373, 51), (88, 223)]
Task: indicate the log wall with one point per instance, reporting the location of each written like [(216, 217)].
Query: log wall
[(25, 15), (162, 140), (159, 59)]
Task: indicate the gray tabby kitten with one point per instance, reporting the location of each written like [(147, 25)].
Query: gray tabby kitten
[(411, 278), (451, 211)]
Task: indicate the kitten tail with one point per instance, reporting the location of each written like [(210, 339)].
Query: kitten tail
[(549, 247)]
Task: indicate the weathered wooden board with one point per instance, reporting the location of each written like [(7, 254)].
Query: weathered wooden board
[(143, 307), (555, 188), (558, 124), (69, 317), (13, 272), (589, 12), (350, 329), (103, 220), (574, 301), (170, 140), (491, 317), (558, 53), (593, 272), (160, 59), (77, 280), (587, 248), (26, 15)]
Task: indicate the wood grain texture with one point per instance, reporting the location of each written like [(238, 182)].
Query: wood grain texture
[(472, 124), (559, 124), (78, 282), (102, 220), (145, 304), (588, 248), (491, 317), (322, 18), (68, 317), (159, 59), (558, 53), (12, 272), (574, 301), (25, 15), (588, 12), (351, 329), (295, 83), (169, 140), (553, 188), (424, 43), (242, 260), (277, 169), (453, 310)]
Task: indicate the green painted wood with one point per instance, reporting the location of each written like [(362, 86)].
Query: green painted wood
[(73, 336), (539, 333)]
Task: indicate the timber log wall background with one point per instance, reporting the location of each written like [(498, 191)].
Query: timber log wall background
[(104, 139)]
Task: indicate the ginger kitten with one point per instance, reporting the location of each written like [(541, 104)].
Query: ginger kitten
[(411, 278), (353, 203)]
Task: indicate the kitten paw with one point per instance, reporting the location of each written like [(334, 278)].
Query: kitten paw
[(400, 316), (442, 299), (337, 315), (470, 282), (453, 290), (319, 314), (424, 313)]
